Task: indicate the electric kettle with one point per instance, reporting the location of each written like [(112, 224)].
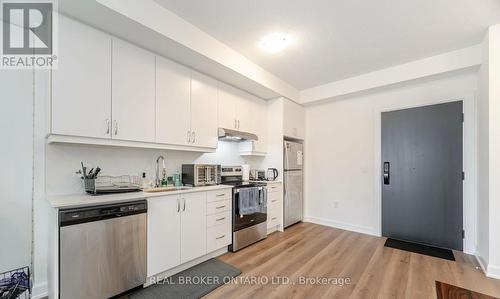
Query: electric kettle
[(272, 174)]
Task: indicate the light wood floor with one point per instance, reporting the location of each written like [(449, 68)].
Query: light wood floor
[(310, 250)]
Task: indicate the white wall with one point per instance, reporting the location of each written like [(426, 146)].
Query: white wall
[(16, 160), (339, 149), (483, 157)]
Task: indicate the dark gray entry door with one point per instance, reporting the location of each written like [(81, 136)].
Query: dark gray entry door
[(422, 175)]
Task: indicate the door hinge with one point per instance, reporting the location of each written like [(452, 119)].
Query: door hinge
[(463, 234), (463, 175)]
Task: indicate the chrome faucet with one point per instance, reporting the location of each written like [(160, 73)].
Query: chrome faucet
[(164, 171)]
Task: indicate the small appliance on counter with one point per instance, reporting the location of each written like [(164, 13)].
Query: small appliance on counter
[(245, 170), (272, 174), (257, 175), (200, 174)]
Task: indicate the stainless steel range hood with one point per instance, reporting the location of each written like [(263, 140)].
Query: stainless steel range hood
[(235, 136)]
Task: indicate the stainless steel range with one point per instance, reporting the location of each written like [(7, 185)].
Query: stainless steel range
[(249, 208)]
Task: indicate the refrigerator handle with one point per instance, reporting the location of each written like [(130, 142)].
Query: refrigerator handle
[(284, 187)]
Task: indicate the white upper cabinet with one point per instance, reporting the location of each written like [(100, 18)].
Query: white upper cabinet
[(203, 110), (245, 112), (173, 102), (227, 107), (193, 225), (133, 93), (81, 85), (164, 234), (293, 120)]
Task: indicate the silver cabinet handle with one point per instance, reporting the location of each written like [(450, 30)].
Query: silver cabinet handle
[(220, 219), (238, 123), (218, 238), (184, 208), (235, 124), (178, 205), (274, 200), (188, 137), (220, 207), (194, 137), (219, 195), (274, 218), (116, 127), (108, 126)]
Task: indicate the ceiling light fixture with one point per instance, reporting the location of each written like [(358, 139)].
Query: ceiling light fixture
[(275, 42)]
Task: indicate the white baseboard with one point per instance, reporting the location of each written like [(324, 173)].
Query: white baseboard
[(342, 225), (40, 290), (493, 271), (489, 270), (481, 262)]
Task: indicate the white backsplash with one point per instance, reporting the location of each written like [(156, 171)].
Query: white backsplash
[(63, 160)]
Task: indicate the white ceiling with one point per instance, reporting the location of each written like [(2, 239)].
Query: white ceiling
[(337, 39)]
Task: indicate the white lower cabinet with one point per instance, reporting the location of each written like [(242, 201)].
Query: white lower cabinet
[(193, 226), (182, 228), (164, 232), (274, 205), (219, 219)]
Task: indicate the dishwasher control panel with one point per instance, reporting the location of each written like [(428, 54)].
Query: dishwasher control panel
[(101, 212)]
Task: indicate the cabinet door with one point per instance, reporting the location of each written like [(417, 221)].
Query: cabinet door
[(293, 120), (173, 92), (133, 93), (164, 228), (245, 112), (203, 110), (260, 124), (227, 107), (193, 226), (81, 85)]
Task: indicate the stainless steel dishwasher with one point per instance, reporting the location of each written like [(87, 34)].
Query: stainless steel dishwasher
[(102, 250)]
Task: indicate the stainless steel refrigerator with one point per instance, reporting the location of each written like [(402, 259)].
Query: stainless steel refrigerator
[(293, 185)]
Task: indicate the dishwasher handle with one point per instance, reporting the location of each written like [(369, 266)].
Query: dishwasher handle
[(102, 212)]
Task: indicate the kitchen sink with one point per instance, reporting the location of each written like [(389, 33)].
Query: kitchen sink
[(166, 189)]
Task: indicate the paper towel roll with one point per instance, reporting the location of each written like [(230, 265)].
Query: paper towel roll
[(245, 169)]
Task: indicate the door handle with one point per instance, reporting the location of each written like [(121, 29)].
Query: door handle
[(184, 208), (387, 173)]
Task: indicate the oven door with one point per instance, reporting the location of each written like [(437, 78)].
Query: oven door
[(243, 221)]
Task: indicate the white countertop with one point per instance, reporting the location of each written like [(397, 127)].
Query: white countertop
[(81, 200)]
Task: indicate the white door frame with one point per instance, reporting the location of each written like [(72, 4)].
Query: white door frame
[(469, 164)]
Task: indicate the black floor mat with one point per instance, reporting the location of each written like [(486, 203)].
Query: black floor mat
[(419, 248)]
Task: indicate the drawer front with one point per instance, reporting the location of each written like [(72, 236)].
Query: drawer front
[(274, 209), (274, 198), (218, 206), (223, 218), (273, 187), (217, 195), (273, 218), (218, 237)]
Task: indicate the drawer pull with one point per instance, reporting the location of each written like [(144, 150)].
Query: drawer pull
[(221, 207), (218, 238), (219, 195), (274, 200), (220, 219), (274, 218)]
